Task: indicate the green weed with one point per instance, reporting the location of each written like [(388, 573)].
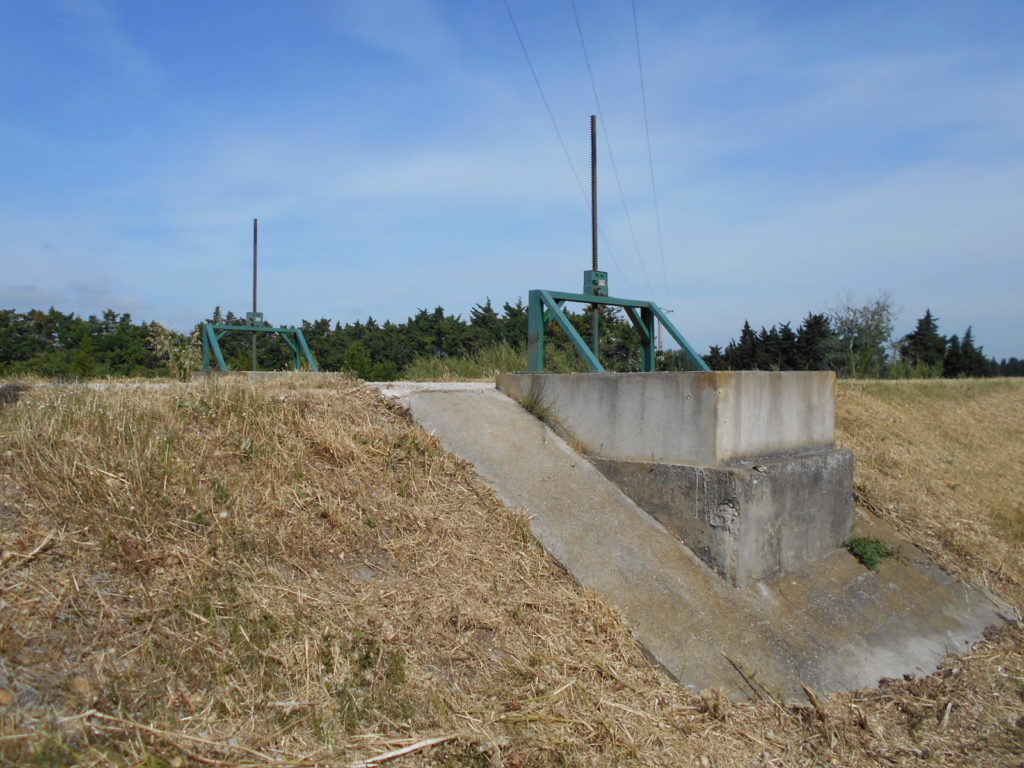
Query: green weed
[(869, 551)]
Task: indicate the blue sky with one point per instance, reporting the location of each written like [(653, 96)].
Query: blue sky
[(399, 156)]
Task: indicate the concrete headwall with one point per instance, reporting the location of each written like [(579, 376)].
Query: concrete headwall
[(741, 466), (748, 524), (686, 417)]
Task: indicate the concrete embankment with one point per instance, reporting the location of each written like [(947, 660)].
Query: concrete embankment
[(831, 624)]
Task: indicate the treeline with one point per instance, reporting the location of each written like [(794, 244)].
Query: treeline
[(853, 340), (856, 341), (54, 344)]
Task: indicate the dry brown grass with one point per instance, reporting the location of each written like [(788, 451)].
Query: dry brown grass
[(290, 572), (944, 461)]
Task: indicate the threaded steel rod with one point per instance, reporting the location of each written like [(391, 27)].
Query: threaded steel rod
[(593, 191), (255, 247), (595, 313)]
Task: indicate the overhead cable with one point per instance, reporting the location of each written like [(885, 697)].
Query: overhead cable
[(554, 123), (650, 157), (608, 145)]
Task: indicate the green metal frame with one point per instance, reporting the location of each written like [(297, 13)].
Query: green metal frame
[(548, 306), (293, 337)]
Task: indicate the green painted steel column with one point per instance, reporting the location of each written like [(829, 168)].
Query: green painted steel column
[(570, 330), (649, 354), (206, 350), (698, 361), (214, 343), (306, 351), (535, 333)]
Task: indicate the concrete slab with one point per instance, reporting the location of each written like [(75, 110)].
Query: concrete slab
[(686, 417), (832, 625)]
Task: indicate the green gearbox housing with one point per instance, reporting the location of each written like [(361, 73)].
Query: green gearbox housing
[(595, 283)]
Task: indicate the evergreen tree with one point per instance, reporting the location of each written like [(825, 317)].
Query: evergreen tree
[(952, 362), (767, 354), (715, 359), (514, 323), (788, 357), (814, 341), (357, 360), (974, 362), (1011, 367), (925, 347), (743, 355)]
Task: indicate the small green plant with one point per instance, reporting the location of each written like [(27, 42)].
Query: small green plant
[(869, 551), (534, 404)]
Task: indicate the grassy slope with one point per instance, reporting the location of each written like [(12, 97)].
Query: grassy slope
[(944, 461), (288, 571)]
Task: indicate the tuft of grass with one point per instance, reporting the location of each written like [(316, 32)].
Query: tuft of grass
[(11, 391), (869, 551), (534, 404), (182, 356)]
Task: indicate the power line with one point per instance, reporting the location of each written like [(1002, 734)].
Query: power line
[(650, 155), (608, 145), (561, 141), (544, 98)]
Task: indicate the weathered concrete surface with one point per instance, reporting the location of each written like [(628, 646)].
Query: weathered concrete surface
[(832, 624), (752, 520), (685, 446), (686, 417)]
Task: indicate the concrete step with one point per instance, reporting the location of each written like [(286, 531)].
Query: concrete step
[(833, 624)]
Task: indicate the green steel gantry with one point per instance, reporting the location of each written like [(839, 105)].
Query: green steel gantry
[(293, 337), (549, 306)]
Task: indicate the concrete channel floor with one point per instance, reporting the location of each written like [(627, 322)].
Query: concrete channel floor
[(833, 625)]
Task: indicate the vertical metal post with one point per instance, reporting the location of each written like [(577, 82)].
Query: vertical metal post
[(649, 356), (255, 245), (206, 350), (595, 313), (535, 333)]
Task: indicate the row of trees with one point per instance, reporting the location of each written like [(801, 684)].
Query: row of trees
[(857, 341), (63, 345), (52, 343), (853, 340)]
